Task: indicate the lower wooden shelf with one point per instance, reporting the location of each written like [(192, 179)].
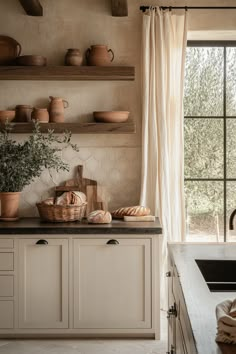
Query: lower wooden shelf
[(77, 128)]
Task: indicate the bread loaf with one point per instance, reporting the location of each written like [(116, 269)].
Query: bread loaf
[(78, 198), (137, 210), (49, 201), (74, 197), (99, 217)]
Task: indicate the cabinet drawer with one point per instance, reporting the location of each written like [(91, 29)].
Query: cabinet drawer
[(6, 243), (6, 261), (6, 314), (6, 285)]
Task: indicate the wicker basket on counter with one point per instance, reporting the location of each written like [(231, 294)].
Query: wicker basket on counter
[(61, 213)]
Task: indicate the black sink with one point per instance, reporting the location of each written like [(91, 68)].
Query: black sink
[(220, 275)]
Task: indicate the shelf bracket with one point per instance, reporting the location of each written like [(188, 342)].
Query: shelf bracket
[(32, 7), (119, 8)]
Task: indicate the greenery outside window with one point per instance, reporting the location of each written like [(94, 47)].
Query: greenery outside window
[(210, 139)]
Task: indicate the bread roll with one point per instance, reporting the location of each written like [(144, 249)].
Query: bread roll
[(99, 217), (136, 210)]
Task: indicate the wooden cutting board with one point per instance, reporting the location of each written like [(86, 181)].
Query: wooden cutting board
[(140, 218), (88, 186)]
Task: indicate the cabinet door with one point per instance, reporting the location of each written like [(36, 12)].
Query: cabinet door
[(43, 284), (112, 283)]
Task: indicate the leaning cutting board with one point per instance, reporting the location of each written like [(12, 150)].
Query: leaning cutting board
[(88, 186)]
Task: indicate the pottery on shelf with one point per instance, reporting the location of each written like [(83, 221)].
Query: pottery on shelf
[(40, 114), (99, 55), (10, 49), (7, 115), (56, 109), (23, 113), (111, 116), (73, 57), (31, 60)]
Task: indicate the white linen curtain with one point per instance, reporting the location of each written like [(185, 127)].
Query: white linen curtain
[(163, 60)]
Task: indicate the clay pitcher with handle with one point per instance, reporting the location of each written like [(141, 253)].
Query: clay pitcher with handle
[(99, 55), (56, 109)]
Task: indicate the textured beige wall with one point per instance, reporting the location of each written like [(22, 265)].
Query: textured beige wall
[(114, 160)]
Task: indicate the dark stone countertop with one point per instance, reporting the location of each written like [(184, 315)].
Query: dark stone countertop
[(36, 227), (200, 302)]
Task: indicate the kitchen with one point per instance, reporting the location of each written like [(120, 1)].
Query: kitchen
[(113, 160)]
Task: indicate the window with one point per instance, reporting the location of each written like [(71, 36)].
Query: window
[(210, 139)]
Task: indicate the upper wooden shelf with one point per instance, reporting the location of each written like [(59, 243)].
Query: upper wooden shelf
[(34, 7), (67, 73), (77, 128)]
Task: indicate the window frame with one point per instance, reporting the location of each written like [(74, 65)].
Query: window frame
[(224, 44)]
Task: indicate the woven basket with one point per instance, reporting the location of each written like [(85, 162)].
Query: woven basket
[(61, 213)]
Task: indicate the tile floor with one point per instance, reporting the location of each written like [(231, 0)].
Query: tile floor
[(86, 346)]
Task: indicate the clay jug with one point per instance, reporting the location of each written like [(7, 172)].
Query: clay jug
[(73, 57), (56, 109), (99, 55), (23, 113), (40, 114)]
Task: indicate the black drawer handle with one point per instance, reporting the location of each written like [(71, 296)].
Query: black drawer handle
[(42, 242), (113, 242)]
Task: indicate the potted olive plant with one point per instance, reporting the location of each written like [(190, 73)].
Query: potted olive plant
[(22, 162)]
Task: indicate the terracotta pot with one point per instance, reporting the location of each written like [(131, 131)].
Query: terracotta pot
[(56, 109), (40, 114), (23, 113), (98, 55), (73, 57), (9, 204)]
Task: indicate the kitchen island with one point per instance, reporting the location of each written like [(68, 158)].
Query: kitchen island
[(79, 279), (192, 320)]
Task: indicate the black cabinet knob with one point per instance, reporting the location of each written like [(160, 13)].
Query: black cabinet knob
[(113, 242), (42, 242)]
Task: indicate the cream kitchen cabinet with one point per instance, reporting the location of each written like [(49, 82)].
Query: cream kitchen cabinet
[(112, 283), (79, 280), (43, 283)]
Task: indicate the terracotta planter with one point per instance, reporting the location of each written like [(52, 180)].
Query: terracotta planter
[(9, 205), (99, 55)]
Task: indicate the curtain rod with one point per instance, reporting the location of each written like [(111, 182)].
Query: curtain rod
[(144, 8)]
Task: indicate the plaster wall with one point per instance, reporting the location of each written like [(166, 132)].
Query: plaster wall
[(113, 160)]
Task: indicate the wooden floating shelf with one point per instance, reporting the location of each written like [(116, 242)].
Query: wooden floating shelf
[(77, 128), (119, 8), (32, 7), (67, 73)]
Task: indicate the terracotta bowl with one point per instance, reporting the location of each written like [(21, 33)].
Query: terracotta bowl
[(4, 115), (111, 116), (31, 60)]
